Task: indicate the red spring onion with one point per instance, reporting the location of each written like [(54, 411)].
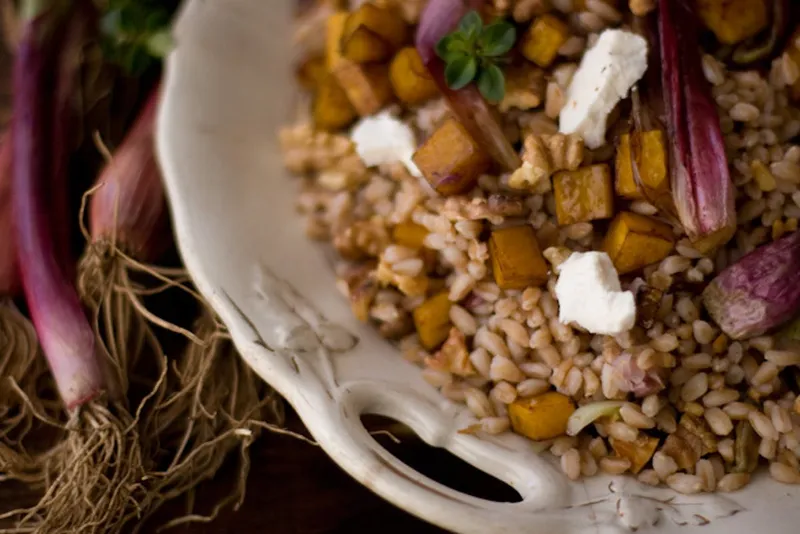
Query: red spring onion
[(759, 292), (9, 274), (64, 333), (439, 18), (129, 208), (701, 185)]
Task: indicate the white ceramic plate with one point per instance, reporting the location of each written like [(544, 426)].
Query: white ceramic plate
[(228, 88)]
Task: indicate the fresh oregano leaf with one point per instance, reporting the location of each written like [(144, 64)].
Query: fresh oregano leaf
[(451, 47), (471, 25), (497, 39), (492, 83), (460, 72)]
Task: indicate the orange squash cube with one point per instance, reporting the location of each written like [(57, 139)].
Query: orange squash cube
[(410, 234), (634, 241), (333, 37), (733, 21), (432, 320), (451, 160), (383, 23), (543, 39), (517, 260), (651, 159), (311, 72), (410, 79), (583, 195), (542, 417), (331, 108), (367, 86)]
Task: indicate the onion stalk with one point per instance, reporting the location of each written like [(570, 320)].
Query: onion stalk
[(701, 185), (438, 19)]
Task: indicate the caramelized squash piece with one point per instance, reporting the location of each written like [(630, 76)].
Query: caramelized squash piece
[(793, 51), (366, 86), (634, 241), (543, 39), (637, 452), (410, 234), (362, 45), (651, 159), (542, 417), (311, 72), (451, 160), (583, 195), (733, 21), (432, 320), (517, 261), (331, 109), (383, 23), (410, 79)]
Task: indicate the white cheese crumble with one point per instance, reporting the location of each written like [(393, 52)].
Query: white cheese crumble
[(607, 72), (589, 294), (383, 138)]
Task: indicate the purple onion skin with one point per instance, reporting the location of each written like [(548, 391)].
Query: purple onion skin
[(65, 334), (759, 292), (701, 186)]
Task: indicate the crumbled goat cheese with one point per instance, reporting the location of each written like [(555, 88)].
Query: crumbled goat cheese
[(383, 138), (589, 294), (607, 72)]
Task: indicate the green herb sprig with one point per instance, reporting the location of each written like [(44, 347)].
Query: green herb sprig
[(475, 52), (137, 33)]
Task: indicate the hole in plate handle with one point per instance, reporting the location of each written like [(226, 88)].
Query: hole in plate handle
[(436, 463)]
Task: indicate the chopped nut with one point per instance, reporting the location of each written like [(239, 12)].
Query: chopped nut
[(413, 286), (637, 452), (396, 329), (525, 88), (361, 240), (362, 293), (453, 356), (544, 154)]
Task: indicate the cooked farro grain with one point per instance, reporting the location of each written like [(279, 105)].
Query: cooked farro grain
[(571, 464), (718, 421), (784, 473), (613, 465)]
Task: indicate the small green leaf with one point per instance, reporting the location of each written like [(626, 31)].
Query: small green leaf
[(451, 47), (471, 25), (497, 39), (492, 83), (461, 72)]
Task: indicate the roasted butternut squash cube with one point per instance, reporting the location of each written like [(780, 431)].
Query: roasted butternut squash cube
[(543, 39), (411, 81), (432, 320), (410, 234), (331, 109), (333, 38), (583, 195), (634, 241), (311, 71), (793, 51), (362, 45), (451, 160), (385, 23), (542, 417), (517, 260), (367, 86), (651, 159), (638, 452), (733, 21)]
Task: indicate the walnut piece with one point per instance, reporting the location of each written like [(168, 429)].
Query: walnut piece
[(453, 356), (362, 239), (525, 88), (542, 156)]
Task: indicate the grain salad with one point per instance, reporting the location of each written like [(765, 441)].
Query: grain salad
[(577, 217)]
